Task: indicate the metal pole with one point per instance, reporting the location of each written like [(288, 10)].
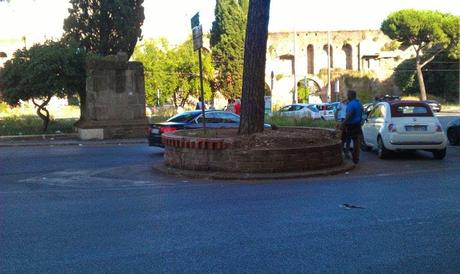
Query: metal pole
[(294, 95), (328, 66), (158, 97), (202, 90)]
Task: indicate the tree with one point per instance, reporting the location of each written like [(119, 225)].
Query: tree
[(41, 72), (428, 32), (227, 44), (252, 108), (440, 77), (105, 27), (173, 71)]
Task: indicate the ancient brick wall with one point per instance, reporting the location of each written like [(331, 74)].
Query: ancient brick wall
[(355, 51)]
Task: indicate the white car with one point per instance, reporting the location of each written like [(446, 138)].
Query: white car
[(299, 111), (327, 110), (403, 125)]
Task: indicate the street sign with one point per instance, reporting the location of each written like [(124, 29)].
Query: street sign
[(195, 21), (197, 34)]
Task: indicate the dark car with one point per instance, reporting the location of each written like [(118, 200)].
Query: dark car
[(192, 120), (453, 132), (435, 105), (387, 98)]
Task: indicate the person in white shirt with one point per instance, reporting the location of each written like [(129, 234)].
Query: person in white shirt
[(340, 115), (200, 105)]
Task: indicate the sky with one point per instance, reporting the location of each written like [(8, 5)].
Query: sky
[(41, 19)]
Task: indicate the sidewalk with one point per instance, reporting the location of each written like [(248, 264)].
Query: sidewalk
[(62, 140)]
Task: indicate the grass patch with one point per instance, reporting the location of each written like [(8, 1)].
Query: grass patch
[(299, 122), (31, 125)]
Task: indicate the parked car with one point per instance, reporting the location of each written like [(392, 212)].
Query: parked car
[(403, 125), (299, 111), (193, 120), (327, 110), (387, 98), (367, 108), (435, 105), (453, 132)]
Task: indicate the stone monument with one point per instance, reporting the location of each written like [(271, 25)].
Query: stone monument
[(115, 99)]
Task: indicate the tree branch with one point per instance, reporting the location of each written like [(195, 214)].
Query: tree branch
[(431, 58)]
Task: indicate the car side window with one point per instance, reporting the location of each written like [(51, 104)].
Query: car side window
[(295, 108), (226, 117), (382, 112), (286, 108), (210, 118), (372, 114)]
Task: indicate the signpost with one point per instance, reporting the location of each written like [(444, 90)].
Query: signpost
[(197, 33)]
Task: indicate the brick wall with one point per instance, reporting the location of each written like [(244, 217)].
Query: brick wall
[(213, 154)]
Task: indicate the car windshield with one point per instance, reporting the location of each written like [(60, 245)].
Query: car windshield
[(411, 110), (183, 117)]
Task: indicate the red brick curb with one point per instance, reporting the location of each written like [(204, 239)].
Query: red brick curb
[(225, 155), (169, 139), (213, 175)]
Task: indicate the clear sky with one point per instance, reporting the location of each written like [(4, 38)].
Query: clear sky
[(38, 19)]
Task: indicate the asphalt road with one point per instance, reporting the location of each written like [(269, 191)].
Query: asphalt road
[(101, 209)]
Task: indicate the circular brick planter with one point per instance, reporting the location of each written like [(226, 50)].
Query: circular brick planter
[(228, 154)]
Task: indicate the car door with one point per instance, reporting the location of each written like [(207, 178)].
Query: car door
[(228, 120), (369, 128), (212, 121), (380, 121), (297, 111), (285, 111)]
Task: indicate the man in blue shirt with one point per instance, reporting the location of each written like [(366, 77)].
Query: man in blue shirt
[(352, 123)]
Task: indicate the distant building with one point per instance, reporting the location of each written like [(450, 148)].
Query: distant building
[(354, 52)]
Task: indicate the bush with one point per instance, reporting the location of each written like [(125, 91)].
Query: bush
[(31, 125), (299, 122)]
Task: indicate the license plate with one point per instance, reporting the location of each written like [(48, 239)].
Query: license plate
[(155, 130), (416, 128)]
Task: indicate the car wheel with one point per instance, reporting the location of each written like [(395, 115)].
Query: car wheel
[(439, 154), (364, 146), (454, 138), (382, 151)]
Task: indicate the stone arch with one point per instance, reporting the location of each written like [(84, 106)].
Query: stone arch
[(332, 54), (267, 90), (348, 50), (310, 59)]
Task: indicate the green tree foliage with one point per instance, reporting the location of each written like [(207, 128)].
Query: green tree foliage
[(227, 44), (428, 32), (41, 72), (105, 27), (441, 77), (174, 71)]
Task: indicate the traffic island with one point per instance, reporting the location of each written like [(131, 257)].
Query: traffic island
[(272, 154)]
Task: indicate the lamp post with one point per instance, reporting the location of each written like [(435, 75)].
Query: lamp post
[(294, 94)]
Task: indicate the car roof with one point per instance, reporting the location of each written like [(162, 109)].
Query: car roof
[(406, 102)]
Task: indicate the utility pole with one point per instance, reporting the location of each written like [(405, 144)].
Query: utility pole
[(158, 97), (328, 66), (294, 94)]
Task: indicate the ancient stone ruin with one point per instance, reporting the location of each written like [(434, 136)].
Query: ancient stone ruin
[(115, 100)]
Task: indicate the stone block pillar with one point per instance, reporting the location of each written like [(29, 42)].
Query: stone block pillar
[(115, 100)]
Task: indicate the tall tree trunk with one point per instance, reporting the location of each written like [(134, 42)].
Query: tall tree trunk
[(104, 30), (255, 48), (421, 82), (43, 113)]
